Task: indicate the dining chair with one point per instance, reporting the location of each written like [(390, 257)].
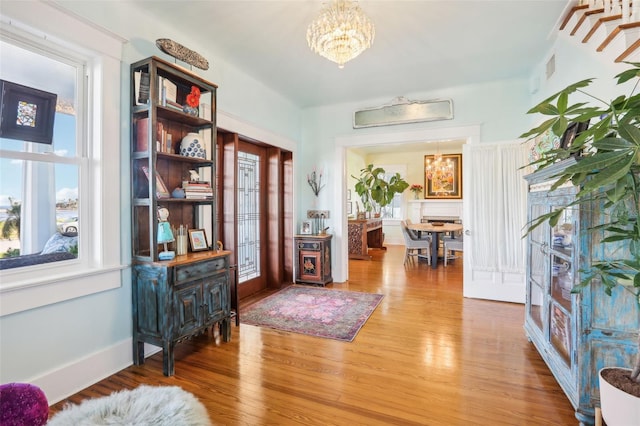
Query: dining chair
[(415, 234), (452, 245), (415, 247)]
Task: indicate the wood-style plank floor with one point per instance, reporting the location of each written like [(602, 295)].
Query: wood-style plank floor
[(426, 356)]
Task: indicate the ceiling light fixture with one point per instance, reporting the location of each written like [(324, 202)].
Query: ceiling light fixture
[(341, 32), (438, 167)]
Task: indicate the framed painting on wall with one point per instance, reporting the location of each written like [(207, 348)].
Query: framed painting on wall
[(27, 114), (443, 176)]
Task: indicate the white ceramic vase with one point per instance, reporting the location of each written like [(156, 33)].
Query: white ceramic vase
[(618, 407), (192, 145)]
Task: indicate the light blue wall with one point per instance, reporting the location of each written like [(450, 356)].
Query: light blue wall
[(498, 107)]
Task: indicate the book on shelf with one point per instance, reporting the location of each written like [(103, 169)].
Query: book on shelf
[(164, 142), (161, 188), (142, 134), (196, 185), (205, 111), (170, 90), (167, 91), (198, 197), (141, 82), (171, 103), (173, 107)]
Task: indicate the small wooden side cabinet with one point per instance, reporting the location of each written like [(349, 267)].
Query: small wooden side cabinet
[(314, 259)]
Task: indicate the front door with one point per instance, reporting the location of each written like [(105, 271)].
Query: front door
[(250, 214)]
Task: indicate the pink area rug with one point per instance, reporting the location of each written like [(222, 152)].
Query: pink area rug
[(319, 312)]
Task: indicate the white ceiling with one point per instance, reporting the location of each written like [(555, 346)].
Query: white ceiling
[(419, 45)]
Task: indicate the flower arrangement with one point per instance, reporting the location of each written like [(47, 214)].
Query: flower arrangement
[(314, 180), (416, 188), (193, 98)]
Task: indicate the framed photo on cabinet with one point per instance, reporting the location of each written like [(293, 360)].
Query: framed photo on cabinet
[(198, 240), (306, 228)]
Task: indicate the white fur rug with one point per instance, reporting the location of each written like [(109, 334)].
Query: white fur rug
[(145, 405)]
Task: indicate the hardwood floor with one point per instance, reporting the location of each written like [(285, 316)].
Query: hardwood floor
[(426, 356)]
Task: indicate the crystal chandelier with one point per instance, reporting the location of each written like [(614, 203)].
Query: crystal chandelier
[(440, 170), (341, 32)]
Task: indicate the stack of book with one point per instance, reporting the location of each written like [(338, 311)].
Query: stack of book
[(197, 190)]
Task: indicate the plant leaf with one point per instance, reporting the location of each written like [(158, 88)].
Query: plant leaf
[(609, 175), (540, 129), (627, 75), (591, 163)]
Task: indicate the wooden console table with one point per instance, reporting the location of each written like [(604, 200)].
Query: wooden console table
[(364, 234)]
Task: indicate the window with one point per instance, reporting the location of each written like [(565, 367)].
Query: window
[(39, 181), (75, 181), (395, 210)]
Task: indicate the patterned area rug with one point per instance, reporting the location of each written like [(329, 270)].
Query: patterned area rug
[(319, 312)]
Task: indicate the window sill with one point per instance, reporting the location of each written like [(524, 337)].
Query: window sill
[(29, 293)]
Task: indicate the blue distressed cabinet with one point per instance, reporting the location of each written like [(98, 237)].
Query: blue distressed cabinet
[(174, 300), (576, 334), (190, 294)]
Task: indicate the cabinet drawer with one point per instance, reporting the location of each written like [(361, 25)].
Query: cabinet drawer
[(309, 245), (199, 269)]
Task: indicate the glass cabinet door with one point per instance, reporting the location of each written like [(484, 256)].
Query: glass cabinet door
[(538, 253), (561, 282)]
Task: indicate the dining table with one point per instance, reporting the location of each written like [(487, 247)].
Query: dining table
[(435, 229)]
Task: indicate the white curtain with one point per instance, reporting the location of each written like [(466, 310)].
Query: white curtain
[(498, 196), (511, 256)]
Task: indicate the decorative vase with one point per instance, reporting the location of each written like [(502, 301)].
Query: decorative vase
[(178, 193), (415, 196), (190, 110), (192, 146), (619, 408)]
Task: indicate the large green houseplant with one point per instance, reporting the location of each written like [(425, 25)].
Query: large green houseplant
[(375, 192), (606, 171)]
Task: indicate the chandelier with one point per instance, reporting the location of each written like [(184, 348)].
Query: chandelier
[(341, 32), (440, 171)]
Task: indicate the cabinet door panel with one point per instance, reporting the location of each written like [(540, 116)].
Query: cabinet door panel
[(188, 305), (216, 297), (536, 305), (150, 309), (561, 281), (560, 330)]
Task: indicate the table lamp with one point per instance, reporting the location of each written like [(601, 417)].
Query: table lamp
[(164, 234)]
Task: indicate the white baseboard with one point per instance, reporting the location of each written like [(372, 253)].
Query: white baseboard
[(71, 378)]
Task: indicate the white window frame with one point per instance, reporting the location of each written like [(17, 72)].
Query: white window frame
[(100, 266), (393, 169)]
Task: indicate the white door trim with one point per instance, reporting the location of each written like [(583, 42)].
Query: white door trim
[(469, 133)]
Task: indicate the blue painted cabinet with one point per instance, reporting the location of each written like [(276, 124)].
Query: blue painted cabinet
[(174, 300), (576, 334)]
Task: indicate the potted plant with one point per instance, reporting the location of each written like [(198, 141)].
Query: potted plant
[(374, 191), (604, 163)]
